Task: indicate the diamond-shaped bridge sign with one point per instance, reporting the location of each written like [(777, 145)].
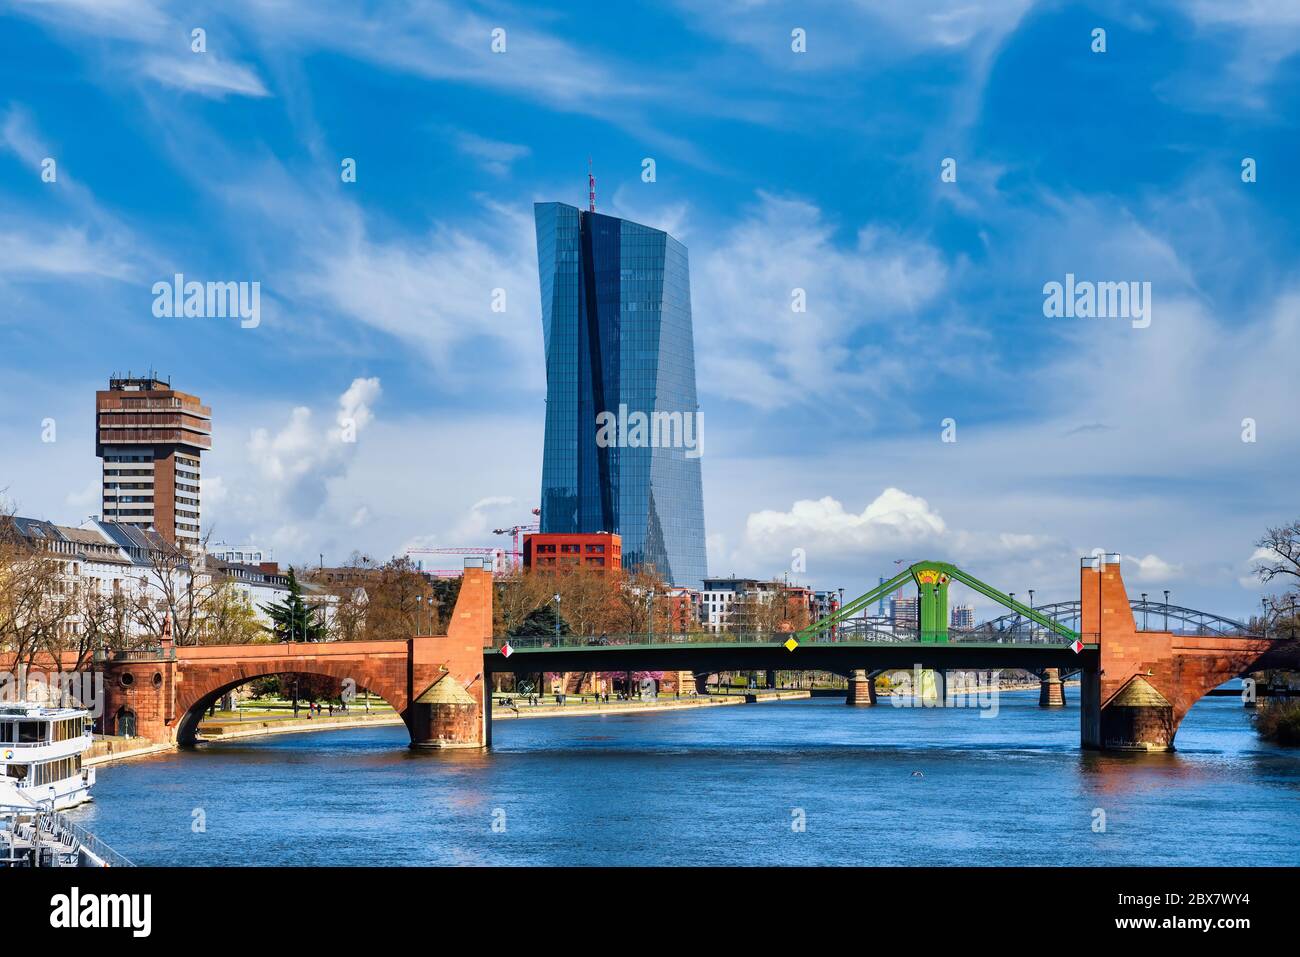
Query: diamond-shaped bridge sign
[(791, 644), (1077, 646), (506, 650)]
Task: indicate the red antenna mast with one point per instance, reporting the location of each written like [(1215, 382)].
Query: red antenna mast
[(591, 187)]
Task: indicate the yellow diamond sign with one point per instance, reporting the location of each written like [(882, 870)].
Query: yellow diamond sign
[(791, 644)]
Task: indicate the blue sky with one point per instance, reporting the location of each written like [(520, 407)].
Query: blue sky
[(779, 170)]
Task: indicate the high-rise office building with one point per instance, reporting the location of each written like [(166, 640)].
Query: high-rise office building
[(150, 437), (623, 428)]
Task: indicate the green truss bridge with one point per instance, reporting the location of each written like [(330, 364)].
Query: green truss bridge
[(842, 642)]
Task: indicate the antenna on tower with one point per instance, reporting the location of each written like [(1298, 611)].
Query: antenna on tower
[(591, 187)]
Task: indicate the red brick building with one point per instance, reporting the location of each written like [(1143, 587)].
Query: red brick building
[(556, 550)]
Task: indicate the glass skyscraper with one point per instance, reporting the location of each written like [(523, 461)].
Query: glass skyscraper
[(623, 429)]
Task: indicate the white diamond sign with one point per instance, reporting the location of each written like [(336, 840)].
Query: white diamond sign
[(1077, 646), (506, 650)]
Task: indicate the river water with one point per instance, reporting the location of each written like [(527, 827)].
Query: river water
[(727, 785)]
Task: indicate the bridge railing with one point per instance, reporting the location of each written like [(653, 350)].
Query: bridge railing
[(135, 654), (838, 636)]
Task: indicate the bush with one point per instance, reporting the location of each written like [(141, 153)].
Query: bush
[(1278, 720)]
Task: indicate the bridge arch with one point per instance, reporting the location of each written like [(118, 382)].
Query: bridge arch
[(205, 685)]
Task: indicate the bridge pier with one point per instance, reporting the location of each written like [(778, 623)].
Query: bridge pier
[(447, 716), (1051, 690), (862, 689)]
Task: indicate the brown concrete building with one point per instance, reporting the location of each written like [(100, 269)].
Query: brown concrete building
[(150, 437)]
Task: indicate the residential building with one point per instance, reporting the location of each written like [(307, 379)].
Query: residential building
[(904, 612), (719, 599), (963, 617), (623, 430), (684, 607), (824, 603), (747, 603), (240, 554), (120, 560), (150, 438)]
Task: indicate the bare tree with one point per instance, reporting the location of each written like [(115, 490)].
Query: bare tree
[(1281, 554), (176, 582), (35, 592)]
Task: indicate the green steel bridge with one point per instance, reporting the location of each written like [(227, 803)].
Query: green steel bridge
[(842, 642)]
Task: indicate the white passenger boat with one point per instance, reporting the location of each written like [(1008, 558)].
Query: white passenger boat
[(40, 758)]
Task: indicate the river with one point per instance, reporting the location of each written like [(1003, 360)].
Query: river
[(883, 785)]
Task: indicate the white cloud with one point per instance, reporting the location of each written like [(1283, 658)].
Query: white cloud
[(894, 518), (432, 291), (1152, 568), (495, 155), (41, 252), (751, 343), (204, 73), (296, 462), (842, 35), (118, 18)]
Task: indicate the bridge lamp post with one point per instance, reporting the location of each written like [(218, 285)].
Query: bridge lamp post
[(1144, 611), (557, 618), (1166, 609), (1264, 602)]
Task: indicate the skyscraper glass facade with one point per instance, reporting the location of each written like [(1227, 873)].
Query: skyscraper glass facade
[(623, 430)]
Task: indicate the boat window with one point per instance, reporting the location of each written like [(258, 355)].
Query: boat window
[(31, 732), (18, 771), (53, 771), (6, 732)]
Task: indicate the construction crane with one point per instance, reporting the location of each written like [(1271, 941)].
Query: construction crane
[(516, 555)]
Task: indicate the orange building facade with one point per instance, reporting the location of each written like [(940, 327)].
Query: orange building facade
[(560, 550)]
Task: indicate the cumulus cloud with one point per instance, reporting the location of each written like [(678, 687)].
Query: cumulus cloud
[(1153, 568), (893, 518), (296, 462)]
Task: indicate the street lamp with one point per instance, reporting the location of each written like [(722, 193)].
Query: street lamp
[(1144, 611), (557, 617), (1166, 609)]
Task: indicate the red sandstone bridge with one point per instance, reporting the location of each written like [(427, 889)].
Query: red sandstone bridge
[(1136, 684)]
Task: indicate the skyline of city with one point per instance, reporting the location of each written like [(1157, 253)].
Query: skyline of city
[(923, 298), (395, 540)]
